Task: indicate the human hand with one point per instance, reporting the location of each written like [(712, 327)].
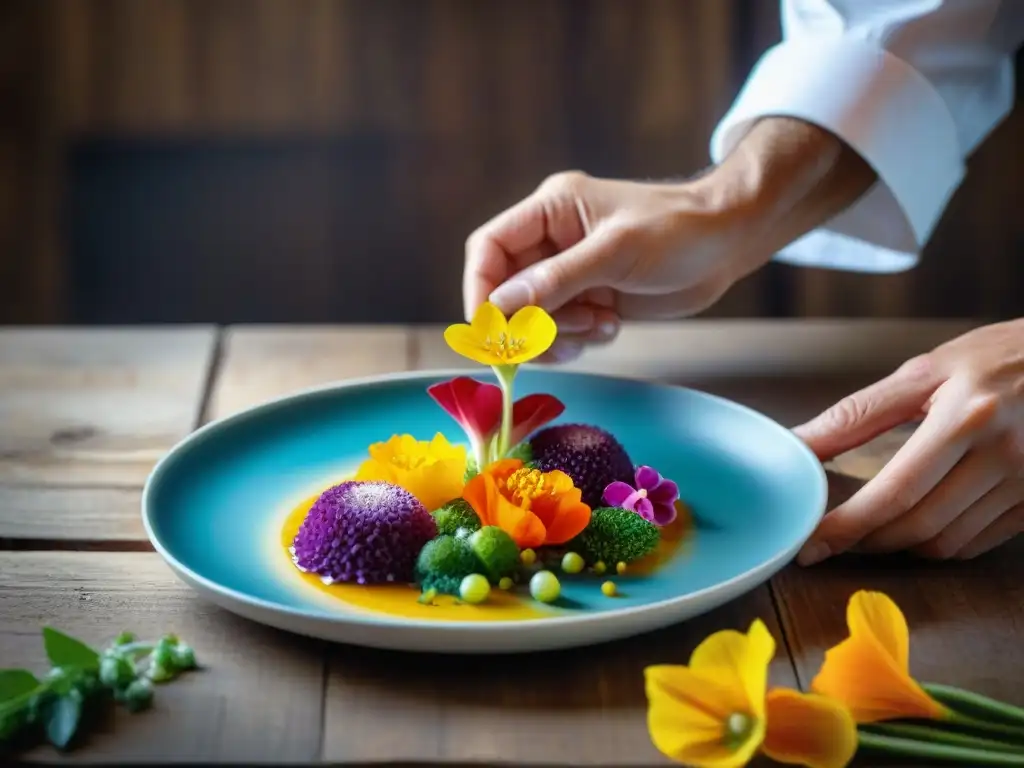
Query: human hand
[(956, 488), (595, 252)]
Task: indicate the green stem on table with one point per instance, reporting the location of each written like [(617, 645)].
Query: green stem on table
[(506, 375), (894, 745), (935, 735), (958, 719), (959, 699)]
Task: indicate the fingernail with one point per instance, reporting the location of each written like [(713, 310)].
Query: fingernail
[(813, 552), (564, 351), (512, 296), (607, 329)]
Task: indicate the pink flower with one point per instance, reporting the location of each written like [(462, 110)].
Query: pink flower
[(654, 497), (476, 406)]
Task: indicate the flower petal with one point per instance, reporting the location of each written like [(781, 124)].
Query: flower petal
[(877, 615), (475, 405), (647, 477), (807, 729), (530, 413), (489, 322), (664, 514), (869, 672), (858, 674), (617, 492), (484, 496), (686, 717), (468, 343), (665, 492), (741, 662), (645, 509), (535, 328), (563, 514)]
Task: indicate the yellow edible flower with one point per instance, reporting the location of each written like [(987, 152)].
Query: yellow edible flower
[(869, 672), (718, 713), (492, 340), (431, 471)]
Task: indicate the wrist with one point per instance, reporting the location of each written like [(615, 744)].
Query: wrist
[(784, 179)]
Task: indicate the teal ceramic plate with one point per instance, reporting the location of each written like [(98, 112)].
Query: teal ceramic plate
[(216, 505)]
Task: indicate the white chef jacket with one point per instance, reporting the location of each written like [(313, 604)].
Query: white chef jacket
[(914, 86)]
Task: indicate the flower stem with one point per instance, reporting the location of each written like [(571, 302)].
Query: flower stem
[(967, 701), (935, 735), (904, 747), (506, 375)]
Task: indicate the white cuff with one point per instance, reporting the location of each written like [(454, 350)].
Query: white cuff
[(886, 111)]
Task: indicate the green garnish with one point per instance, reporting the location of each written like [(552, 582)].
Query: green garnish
[(82, 679), (496, 551), (455, 515), (615, 535)]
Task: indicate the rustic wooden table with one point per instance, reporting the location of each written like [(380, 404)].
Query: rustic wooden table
[(87, 412)]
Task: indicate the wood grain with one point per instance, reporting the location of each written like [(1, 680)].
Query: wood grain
[(71, 516), (257, 700), (261, 363), (92, 407), (580, 707)]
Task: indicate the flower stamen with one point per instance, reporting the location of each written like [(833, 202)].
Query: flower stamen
[(526, 485), (738, 727), (505, 346)]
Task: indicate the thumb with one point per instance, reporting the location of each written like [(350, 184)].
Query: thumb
[(554, 282), (864, 415)]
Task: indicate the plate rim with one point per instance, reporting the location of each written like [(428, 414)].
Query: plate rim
[(741, 582)]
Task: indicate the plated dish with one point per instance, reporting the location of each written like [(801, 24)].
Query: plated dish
[(480, 511)]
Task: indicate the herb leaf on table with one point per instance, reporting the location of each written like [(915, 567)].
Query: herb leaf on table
[(82, 679)]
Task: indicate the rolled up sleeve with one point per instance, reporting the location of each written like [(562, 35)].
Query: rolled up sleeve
[(916, 135)]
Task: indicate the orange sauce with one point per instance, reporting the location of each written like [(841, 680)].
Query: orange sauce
[(402, 600)]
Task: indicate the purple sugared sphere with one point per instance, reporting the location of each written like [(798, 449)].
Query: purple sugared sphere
[(592, 457), (363, 532)]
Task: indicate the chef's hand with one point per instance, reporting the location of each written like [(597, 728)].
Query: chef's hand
[(595, 252), (956, 488)]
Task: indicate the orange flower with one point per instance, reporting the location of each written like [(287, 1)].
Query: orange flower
[(717, 712), (533, 507), (869, 672)]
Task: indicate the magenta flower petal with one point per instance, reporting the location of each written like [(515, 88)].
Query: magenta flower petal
[(532, 412), (645, 509), (665, 492), (616, 494), (647, 477), (663, 514), (475, 405)]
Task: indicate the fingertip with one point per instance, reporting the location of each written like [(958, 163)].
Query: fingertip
[(813, 552)]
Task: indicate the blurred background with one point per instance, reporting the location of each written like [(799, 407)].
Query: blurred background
[(324, 160)]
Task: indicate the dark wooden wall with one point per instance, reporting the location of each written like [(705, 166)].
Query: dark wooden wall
[(319, 160)]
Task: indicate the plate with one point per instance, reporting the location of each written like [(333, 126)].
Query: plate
[(216, 505)]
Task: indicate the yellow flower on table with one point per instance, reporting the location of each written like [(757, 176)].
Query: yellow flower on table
[(717, 712), (432, 471), (869, 672), (492, 340)]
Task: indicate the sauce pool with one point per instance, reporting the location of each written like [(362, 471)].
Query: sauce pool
[(401, 600)]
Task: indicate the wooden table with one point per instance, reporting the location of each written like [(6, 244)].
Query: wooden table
[(87, 412)]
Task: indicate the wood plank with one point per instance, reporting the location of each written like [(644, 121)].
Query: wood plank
[(97, 407), (259, 363), (578, 707), (72, 516), (740, 347), (257, 700)]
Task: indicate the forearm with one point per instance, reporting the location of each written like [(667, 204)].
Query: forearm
[(785, 178)]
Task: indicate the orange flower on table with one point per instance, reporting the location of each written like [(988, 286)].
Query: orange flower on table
[(432, 471), (869, 672), (717, 712), (533, 507)]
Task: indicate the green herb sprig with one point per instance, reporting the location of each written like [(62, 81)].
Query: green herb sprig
[(80, 680)]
